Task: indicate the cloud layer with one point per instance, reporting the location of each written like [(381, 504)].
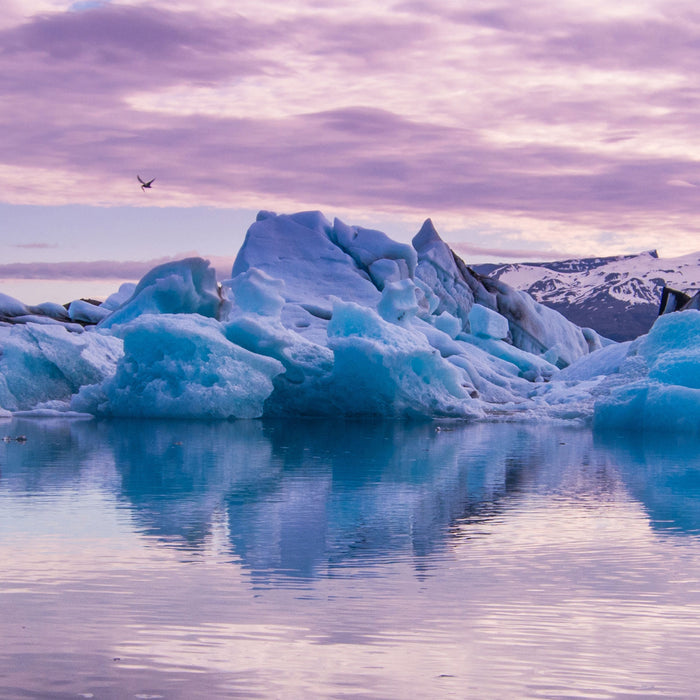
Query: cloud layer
[(564, 126), (99, 269)]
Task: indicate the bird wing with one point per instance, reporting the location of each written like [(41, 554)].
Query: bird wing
[(138, 177)]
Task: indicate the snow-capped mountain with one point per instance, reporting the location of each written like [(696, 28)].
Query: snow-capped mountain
[(617, 296)]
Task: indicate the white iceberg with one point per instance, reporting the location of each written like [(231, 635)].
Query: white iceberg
[(299, 250), (321, 319)]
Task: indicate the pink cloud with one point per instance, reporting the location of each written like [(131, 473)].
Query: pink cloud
[(105, 269), (101, 269), (35, 246), (66, 79), (502, 253)]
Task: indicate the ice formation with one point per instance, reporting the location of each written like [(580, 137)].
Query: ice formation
[(44, 365), (181, 366), (186, 286), (326, 319), (663, 391)]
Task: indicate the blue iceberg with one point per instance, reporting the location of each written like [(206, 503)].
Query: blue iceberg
[(327, 319), (663, 393)]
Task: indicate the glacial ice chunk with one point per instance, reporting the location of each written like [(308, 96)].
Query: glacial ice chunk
[(181, 366), (447, 323), (486, 323), (40, 363), (123, 294), (185, 286), (650, 406), (51, 310), (10, 307), (664, 394), (399, 302), (538, 329), (602, 362), (529, 366), (312, 266), (254, 291), (678, 367), (384, 271), (84, 312), (390, 370), (254, 324), (438, 271), (671, 333), (317, 319), (367, 246)]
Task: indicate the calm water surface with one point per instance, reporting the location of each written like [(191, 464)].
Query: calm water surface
[(346, 560)]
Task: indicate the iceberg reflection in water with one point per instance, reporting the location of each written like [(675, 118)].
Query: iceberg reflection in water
[(327, 559)]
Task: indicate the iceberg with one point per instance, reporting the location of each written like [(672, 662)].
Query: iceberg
[(82, 311), (48, 363), (14, 312), (299, 250), (485, 323), (663, 390), (388, 369), (11, 308), (181, 366), (185, 286), (328, 319)]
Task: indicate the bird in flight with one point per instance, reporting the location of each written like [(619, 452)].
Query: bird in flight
[(145, 185)]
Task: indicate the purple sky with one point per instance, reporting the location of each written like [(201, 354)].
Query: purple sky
[(523, 129)]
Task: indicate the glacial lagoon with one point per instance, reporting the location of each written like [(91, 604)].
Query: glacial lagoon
[(339, 559)]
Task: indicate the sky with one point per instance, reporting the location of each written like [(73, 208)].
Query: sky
[(526, 130)]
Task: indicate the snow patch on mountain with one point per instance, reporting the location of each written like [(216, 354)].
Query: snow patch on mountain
[(617, 296)]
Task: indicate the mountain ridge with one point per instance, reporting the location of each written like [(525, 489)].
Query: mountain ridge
[(618, 296)]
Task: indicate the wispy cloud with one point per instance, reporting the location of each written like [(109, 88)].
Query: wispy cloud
[(35, 246), (521, 254), (100, 269)]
